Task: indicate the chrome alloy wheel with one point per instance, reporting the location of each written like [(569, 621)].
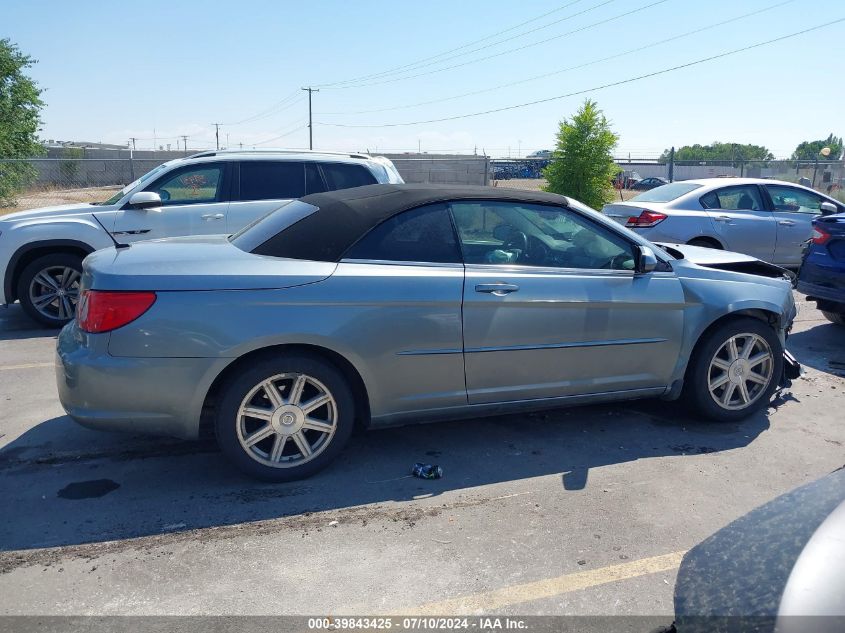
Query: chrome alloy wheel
[(287, 420), (740, 371), (54, 292)]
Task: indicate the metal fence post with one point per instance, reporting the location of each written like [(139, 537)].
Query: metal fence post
[(131, 167)]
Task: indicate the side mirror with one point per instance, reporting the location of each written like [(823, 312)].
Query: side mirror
[(646, 260), (144, 200), (828, 208)]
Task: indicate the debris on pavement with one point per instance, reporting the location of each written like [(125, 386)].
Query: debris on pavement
[(427, 471)]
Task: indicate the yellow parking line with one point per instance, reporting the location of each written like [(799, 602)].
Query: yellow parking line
[(495, 600), (26, 366)]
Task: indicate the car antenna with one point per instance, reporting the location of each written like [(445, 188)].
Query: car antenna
[(116, 243)]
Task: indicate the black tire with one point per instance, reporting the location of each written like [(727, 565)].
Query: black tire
[(834, 317), (696, 393), (25, 282), (705, 242), (242, 383)]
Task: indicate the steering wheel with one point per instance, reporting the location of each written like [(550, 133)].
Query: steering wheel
[(165, 195), (516, 241), (616, 262)]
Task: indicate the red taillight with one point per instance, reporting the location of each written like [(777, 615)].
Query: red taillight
[(102, 311), (820, 236), (646, 219)]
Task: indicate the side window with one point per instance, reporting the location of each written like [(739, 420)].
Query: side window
[(345, 176), (424, 234), (313, 179), (537, 235), (739, 198), (193, 185), (271, 180), (710, 200), (794, 200)]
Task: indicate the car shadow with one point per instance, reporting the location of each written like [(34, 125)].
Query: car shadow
[(821, 347), (16, 325), (70, 486)]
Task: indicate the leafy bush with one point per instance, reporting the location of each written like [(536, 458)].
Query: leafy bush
[(582, 164)]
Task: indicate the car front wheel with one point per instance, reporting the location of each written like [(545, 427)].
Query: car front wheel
[(285, 418), (734, 370), (48, 288)]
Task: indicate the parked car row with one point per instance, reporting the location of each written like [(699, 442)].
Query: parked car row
[(41, 251), (389, 304), (767, 219)]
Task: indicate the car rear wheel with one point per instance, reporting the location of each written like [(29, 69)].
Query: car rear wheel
[(48, 288), (285, 418), (834, 317), (734, 370)]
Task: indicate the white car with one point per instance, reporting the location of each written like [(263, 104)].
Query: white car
[(766, 219), (41, 250)]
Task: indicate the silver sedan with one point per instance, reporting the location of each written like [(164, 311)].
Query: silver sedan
[(767, 219), (390, 304)]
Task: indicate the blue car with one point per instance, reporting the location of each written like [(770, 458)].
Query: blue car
[(822, 275)]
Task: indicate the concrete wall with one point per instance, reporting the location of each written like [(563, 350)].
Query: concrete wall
[(441, 169)]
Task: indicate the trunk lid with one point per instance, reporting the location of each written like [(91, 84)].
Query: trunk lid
[(195, 263)]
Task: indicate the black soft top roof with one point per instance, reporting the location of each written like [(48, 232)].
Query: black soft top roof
[(346, 215)]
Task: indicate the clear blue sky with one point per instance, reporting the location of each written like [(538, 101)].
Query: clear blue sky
[(113, 70)]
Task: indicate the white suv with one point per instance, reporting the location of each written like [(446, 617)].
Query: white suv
[(41, 251)]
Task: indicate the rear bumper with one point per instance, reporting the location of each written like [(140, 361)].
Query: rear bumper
[(159, 396), (824, 292)]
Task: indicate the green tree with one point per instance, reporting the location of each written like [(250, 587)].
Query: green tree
[(582, 164), (20, 105), (809, 150), (719, 151)]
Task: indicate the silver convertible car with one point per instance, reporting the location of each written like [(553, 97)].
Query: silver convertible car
[(389, 304)]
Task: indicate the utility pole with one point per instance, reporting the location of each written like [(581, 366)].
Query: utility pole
[(310, 121), (217, 133), (133, 139), (185, 142)]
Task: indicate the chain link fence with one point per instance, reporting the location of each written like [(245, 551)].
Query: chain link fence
[(38, 182), (824, 176)]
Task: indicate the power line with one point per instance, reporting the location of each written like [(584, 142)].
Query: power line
[(507, 51), (267, 111), (276, 138), (601, 87), (567, 69), (452, 50), (427, 61)]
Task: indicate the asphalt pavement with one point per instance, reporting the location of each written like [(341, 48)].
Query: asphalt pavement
[(576, 511)]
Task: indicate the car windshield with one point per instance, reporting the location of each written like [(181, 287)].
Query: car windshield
[(666, 193), (132, 185)]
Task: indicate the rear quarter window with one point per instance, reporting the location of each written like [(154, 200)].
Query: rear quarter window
[(344, 176), (666, 193)]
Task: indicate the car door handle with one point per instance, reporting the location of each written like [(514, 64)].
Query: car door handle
[(786, 223), (723, 218), (498, 289), (212, 216)]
